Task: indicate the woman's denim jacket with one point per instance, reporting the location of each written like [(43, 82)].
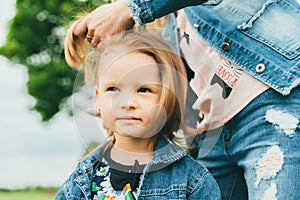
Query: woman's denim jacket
[(260, 36), (171, 175)]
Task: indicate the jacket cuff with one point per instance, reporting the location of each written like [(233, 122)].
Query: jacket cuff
[(141, 12)]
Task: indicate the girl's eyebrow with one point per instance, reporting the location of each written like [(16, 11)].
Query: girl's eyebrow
[(108, 82), (151, 85)]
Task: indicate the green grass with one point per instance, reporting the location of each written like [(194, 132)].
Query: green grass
[(37, 193)]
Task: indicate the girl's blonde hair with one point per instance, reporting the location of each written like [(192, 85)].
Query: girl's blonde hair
[(75, 48), (172, 72)]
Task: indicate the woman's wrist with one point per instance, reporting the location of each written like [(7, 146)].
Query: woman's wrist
[(127, 12), (140, 12)]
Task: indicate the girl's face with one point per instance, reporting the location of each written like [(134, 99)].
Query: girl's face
[(129, 93)]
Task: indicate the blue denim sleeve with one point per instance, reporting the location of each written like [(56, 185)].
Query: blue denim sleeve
[(60, 195), (207, 188), (145, 11), (69, 188)]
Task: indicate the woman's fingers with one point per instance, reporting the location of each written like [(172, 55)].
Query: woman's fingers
[(89, 38), (80, 30), (104, 21), (95, 41)]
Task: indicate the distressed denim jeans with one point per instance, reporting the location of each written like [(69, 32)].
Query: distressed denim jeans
[(256, 155)]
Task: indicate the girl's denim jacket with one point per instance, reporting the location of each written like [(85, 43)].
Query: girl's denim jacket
[(171, 175), (260, 36)]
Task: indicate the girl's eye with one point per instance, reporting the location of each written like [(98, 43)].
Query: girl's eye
[(113, 89), (144, 90)]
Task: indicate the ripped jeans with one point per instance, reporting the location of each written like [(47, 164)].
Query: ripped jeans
[(256, 155)]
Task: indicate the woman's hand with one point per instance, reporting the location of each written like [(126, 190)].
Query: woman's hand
[(105, 21)]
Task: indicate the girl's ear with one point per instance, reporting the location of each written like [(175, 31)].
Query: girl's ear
[(98, 113)]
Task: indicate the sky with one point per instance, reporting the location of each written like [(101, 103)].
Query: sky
[(33, 153)]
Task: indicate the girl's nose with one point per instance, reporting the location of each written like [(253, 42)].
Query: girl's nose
[(128, 101)]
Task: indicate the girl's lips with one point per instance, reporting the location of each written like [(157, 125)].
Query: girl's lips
[(128, 118)]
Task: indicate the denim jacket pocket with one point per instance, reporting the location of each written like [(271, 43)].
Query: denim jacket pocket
[(277, 25), (175, 191)]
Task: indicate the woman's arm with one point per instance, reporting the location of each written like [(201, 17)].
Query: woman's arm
[(147, 11), (121, 15)]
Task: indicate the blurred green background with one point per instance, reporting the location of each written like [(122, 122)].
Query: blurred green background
[(38, 146), (35, 40)]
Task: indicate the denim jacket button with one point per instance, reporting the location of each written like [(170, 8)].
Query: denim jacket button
[(225, 47), (260, 68), (196, 27)]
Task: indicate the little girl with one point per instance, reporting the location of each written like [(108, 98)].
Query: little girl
[(140, 86)]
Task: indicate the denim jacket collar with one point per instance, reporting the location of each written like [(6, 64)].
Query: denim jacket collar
[(165, 153)]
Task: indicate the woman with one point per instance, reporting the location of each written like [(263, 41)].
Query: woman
[(243, 89)]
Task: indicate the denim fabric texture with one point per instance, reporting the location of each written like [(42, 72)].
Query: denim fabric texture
[(256, 154), (145, 11), (262, 37), (171, 175), (257, 151)]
